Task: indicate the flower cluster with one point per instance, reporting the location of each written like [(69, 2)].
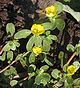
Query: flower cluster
[(71, 69), (37, 50), (37, 29), (50, 11)]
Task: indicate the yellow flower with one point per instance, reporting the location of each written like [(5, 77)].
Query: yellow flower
[(50, 11), (37, 29), (37, 50), (71, 69)]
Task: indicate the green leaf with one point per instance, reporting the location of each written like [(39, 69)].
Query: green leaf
[(75, 14), (23, 61), (10, 72), (6, 47), (76, 64), (11, 45), (77, 47), (76, 82), (44, 78), (19, 56), (65, 67), (60, 24), (13, 82), (67, 85), (30, 43), (49, 40), (53, 37), (31, 68), (47, 33), (31, 75), (10, 28), (70, 48), (53, 21), (44, 67), (48, 61), (47, 25), (22, 34), (46, 45), (3, 57), (67, 0), (59, 6), (55, 73), (16, 43), (9, 56), (61, 55), (32, 58), (38, 41)]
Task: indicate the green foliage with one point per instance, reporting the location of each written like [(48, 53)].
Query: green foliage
[(13, 82), (65, 67), (61, 55), (46, 45), (77, 82), (10, 29), (75, 14), (60, 24), (77, 47), (40, 68), (48, 25), (11, 45), (67, 0), (70, 48), (76, 64), (38, 41), (55, 73), (48, 61), (43, 78), (45, 67), (32, 58), (59, 7), (22, 34), (31, 68), (10, 72), (9, 56), (3, 57), (68, 82), (52, 37), (30, 43)]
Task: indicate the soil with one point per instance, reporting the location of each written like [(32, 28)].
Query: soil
[(24, 12)]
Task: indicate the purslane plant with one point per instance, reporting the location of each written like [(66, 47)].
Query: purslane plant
[(38, 46)]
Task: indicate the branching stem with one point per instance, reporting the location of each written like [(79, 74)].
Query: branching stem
[(70, 59)]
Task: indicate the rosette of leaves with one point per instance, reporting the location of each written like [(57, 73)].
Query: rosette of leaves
[(56, 21)]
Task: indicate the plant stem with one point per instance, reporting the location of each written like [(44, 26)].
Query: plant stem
[(12, 63), (8, 66), (23, 80), (61, 63), (70, 59)]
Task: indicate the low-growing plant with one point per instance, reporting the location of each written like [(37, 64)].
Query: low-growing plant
[(39, 40)]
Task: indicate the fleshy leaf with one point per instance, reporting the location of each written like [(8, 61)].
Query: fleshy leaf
[(10, 29), (47, 25), (44, 78), (13, 82), (44, 67), (59, 7), (32, 58), (70, 47), (22, 34), (9, 56), (30, 43), (75, 14), (60, 24), (55, 73)]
